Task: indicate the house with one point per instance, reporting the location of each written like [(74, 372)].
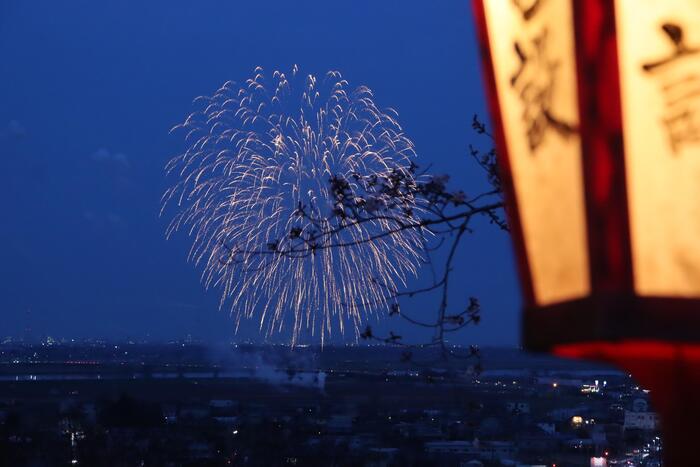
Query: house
[(640, 418), (494, 451)]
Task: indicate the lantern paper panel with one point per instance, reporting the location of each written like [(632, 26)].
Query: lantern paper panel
[(659, 59), (532, 50)]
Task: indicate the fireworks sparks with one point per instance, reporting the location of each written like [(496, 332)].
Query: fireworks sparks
[(257, 190)]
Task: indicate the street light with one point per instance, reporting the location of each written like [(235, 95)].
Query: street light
[(596, 107)]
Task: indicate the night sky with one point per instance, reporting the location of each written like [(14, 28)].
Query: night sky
[(89, 92)]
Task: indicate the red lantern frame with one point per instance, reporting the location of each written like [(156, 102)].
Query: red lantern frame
[(654, 338)]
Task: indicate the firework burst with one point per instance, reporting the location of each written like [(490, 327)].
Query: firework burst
[(257, 190)]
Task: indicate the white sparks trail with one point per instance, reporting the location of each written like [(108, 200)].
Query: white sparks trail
[(259, 151)]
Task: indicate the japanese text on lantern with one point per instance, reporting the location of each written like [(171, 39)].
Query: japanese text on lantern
[(531, 47), (659, 67), (535, 77), (680, 89)]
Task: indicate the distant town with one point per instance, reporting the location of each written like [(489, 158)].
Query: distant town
[(184, 403)]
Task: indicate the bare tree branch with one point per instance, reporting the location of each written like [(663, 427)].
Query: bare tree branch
[(405, 199)]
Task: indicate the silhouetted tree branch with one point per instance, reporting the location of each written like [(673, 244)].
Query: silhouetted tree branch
[(403, 199)]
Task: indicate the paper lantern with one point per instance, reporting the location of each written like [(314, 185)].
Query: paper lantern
[(596, 107)]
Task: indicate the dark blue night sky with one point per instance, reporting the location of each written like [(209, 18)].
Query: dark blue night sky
[(89, 92)]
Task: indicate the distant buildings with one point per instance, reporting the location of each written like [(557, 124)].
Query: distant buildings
[(183, 412)]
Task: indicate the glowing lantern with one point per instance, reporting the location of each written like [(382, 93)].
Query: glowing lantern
[(596, 107)]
